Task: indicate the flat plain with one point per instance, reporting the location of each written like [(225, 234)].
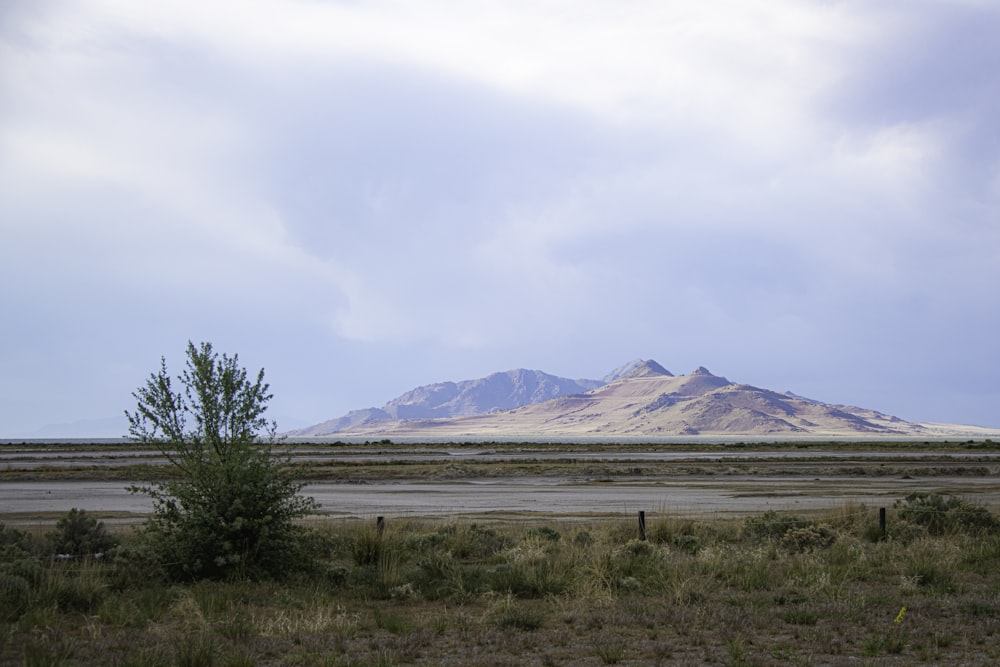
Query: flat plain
[(752, 554)]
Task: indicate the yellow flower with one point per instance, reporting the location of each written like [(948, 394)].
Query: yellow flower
[(899, 616)]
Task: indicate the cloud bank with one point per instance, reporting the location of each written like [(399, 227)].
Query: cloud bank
[(363, 196)]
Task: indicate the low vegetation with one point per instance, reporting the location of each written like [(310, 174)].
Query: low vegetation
[(770, 589)]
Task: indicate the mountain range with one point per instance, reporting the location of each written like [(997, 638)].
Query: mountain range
[(641, 398)]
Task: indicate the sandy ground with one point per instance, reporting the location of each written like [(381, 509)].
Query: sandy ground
[(688, 496)]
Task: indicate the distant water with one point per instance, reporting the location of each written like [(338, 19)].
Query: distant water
[(630, 440), (556, 440)]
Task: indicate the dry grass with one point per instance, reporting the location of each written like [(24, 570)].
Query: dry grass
[(770, 590)]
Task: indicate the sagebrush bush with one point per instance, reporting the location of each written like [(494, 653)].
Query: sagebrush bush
[(807, 538), (440, 575), (943, 515), (531, 569), (771, 525)]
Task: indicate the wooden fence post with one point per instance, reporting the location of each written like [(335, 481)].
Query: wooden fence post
[(642, 525), (380, 525), (881, 521)]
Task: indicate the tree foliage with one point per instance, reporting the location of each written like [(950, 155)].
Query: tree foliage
[(230, 510)]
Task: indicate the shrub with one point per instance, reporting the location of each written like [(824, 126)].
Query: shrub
[(808, 538), (83, 591), (942, 515), (366, 547), (19, 572), (196, 650), (518, 616), (689, 544), (477, 543), (14, 595), (231, 510), (440, 575), (134, 565), (545, 533), (13, 541), (771, 525), (637, 547), (79, 534), (530, 571), (392, 622)]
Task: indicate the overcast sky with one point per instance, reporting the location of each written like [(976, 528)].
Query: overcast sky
[(366, 196)]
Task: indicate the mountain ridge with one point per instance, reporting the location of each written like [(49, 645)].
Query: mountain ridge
[(640, 398), (495, 392)]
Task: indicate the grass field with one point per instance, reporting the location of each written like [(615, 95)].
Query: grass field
[(823, 588)]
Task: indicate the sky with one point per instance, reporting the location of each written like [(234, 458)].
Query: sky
[(365, 196)]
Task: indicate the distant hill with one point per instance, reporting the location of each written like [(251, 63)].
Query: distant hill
[(109, 427), (641, 398), (493, 393)]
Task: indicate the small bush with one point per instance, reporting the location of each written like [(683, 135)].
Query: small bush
[(477, 543), (800, 617), (19, 573), (668, 529), (79, 534), (545, 533), (511, 615), (944, 515), (134, 565), (689, 544), (637, 547), (197, 650), (366, 548), (439, 575), (14, 595), (13, 542), (772, 526), (809, 538), (72, 587), (529, 578), (610, 651), (931, 573), (392, 622)]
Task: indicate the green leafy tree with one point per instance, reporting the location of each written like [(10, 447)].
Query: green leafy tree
[(230, 510)]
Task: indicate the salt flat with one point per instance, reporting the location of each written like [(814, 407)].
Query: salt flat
[(695, 496)]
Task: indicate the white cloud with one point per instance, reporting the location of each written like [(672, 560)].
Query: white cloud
[(451, 179)]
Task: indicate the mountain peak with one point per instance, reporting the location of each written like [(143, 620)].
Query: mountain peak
[(621, 371), (648, 400), (648, 368)]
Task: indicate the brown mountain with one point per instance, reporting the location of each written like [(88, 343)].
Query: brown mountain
[(650, 401)]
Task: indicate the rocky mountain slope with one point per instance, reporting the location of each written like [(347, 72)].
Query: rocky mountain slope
[(495, 392), (640, 399)]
